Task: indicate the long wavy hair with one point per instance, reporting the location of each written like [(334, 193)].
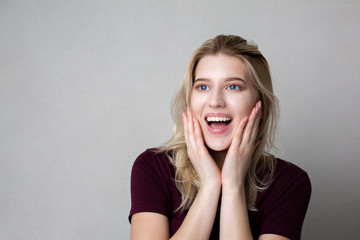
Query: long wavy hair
[(262, 163)]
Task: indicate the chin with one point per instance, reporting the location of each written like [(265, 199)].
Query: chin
[(218, 147)]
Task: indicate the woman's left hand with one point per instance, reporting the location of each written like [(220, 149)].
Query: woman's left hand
[(243, 145)]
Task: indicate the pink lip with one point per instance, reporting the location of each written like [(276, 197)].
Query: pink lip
[(217, 115), (217, 131)]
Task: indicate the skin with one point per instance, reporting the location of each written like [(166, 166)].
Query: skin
[(222, 85)]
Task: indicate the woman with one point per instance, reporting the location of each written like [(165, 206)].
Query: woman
[(215, 177)]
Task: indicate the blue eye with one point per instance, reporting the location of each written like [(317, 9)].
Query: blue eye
[(234, 87), (203, 87)]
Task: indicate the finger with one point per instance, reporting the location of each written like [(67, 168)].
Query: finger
[(249, 126), (236, 141), (197, 129), (190, 120), (254, 131), (197, 132), (200, 144), (190, 125), (237, 138)]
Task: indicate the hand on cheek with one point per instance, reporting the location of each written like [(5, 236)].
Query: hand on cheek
[(202, 161), (238, 158)]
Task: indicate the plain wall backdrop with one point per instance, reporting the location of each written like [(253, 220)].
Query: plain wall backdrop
[(85, 87)]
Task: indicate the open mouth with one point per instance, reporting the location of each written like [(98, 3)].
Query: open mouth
[(218, 122)]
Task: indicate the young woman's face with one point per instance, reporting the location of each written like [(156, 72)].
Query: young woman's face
[(221, 96)]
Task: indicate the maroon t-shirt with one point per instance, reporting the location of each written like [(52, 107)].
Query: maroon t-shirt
[(281, 207)]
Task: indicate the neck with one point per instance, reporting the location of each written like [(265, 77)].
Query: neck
[(218, 156)]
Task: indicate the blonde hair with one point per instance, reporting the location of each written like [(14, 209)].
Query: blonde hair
[(186, 178)]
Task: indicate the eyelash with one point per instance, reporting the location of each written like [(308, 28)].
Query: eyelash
[(238, 87), (200, 86)]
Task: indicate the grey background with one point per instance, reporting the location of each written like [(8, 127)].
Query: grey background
[(85, 87)]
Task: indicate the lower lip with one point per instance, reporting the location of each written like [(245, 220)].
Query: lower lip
[(218, 131)]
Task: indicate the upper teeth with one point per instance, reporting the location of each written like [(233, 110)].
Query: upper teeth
[(218, 119)]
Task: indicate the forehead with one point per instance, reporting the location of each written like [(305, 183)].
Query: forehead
[(221, 66)]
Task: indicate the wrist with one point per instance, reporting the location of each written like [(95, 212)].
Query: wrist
[(233, 189), (211, 181), (211, 186), (231, 183)]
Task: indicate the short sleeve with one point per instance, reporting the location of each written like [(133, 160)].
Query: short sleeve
[(149, 191), (285, 211)]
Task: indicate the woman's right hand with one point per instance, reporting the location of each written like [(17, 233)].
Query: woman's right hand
[(200, 157)]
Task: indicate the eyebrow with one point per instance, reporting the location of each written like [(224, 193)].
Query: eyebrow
[(226, 79)]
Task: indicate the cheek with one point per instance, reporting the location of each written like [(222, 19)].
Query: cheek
[(193, 103), (243, 106), (196, 105)]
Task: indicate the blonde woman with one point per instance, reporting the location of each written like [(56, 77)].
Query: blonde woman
[(215, 177)]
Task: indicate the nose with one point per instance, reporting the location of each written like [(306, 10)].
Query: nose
[(217, 100)]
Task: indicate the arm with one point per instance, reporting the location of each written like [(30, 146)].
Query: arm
[(235, 202), (234, 221), (272, 237), (199, 220), (197, 224), (148, 225)]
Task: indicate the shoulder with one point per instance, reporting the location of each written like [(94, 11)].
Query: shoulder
[(152, 158), (285, 169), (152, 185), (149, 155), (288, 181), (154, 165), (283, 205), (287, 172)]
